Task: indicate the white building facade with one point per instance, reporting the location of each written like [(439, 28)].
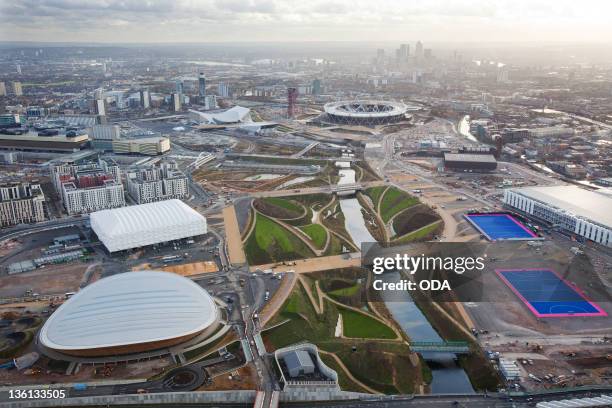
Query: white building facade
[(581, 212), (21, 203)]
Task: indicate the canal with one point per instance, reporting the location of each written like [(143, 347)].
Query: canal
[(447, 376)]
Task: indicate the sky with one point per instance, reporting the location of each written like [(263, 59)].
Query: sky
[(202, 21)]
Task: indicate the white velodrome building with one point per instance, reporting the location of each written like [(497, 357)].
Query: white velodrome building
[(129, 313), (583, 212), (146, 224)]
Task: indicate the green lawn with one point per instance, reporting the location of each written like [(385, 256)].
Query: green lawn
[(394, 201), (271, 242), (418, 234), (317, 234), (346, 292), (382, 365), (284, 203), (361, 326), (374, 193)]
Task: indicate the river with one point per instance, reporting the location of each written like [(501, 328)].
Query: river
[(463, 127), (354, 222), (447, 376)]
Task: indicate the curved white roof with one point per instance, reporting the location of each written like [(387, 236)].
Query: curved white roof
[(233, 115), (146, 224), (129, 308), (365, 109)]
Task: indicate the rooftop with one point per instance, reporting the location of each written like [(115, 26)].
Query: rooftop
[(587, 204), (129, 308), (466, 157)]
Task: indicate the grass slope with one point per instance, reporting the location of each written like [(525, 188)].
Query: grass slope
[(358, 325), (316, 233), (394, 201), (270, 242)]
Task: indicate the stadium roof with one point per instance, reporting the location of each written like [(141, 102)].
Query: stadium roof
[(471, 158), (573, 199), (237, 114), (146, 224), (129, 308)]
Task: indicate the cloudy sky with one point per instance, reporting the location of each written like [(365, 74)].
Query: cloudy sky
[(199, 21)]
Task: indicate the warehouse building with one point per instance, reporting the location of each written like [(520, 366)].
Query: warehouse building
[(32, 142), (573, 209), (103, 318), (469, 162), (141, 225)]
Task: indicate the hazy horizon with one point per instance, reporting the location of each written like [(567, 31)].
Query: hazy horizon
[(277, 21)]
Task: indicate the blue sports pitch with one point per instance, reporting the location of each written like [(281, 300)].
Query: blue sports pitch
[(546, 294), (500, 226)]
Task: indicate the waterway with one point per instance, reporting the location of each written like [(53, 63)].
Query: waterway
[(447, 375), (463, 127), (353, 217)]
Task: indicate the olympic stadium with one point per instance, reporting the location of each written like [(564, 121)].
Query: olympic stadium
[(128, 313), (366, 112)]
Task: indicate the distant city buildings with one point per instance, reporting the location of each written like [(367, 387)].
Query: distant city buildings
[(175, 102), (145, 99), (84, 188), (202, 85), (17, 89), (21, 203), (210, 102), (2, 89), (223, 89), (157, 183)]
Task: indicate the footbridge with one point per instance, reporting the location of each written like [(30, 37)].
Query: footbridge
[(458, 347)]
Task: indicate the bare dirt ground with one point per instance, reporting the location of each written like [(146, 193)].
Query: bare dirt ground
[(53, 279), (245, 380), (189, 269), (313, 264), (232, 233)]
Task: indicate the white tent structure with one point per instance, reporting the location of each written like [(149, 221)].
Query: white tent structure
[(146, 224)]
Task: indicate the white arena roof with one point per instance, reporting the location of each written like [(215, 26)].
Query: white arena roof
[(575, 200), (146, 224), (127, 309), (237, 114)]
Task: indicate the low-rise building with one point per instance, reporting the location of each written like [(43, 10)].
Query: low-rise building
[(149, 146)]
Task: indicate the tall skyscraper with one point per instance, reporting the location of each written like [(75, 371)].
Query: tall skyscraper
[(99, 107), (19, 69), (419, 50), (175, 102), (17, 90), (223, 89), (202, 85), (405, 51), (145, 99), (179, 87), (316, 87), (2, 89)]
